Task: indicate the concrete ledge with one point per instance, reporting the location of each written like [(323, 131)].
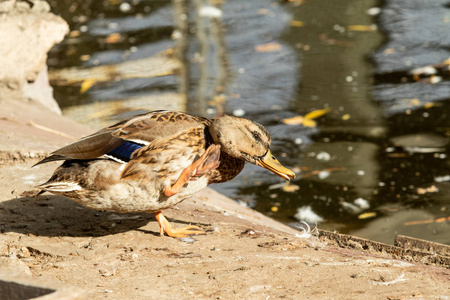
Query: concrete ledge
[(15, 286)]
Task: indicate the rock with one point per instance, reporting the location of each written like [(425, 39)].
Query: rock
[(26, 35)]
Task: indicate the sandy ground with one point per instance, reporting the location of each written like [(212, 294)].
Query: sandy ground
[(244, 255)]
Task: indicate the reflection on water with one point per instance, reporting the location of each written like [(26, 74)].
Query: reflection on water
[(370, 168)]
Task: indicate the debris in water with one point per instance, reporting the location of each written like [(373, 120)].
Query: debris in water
[(367, 215), (306, 214), (210, 12)]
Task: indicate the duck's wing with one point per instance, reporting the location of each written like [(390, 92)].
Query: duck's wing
[(125, 137), (159, 125), (167, 156)]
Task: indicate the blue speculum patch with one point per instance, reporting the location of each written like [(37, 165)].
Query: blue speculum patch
[(124, 151)]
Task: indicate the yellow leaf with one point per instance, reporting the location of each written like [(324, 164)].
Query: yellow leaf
[(294, 120), (389, 51), (431, 189), (290, 188), (74, 33), (297, 23), (415, 102), (113, 38), (361, 28), (316, 113), (85, 57), (345, 117), (269, 47), (274, 209), (309, 123), (432, 104), (367, 215), (86, 85)]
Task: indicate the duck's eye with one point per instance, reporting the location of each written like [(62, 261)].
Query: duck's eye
[(256, 135)]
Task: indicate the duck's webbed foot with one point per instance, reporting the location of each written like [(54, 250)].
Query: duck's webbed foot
[(206, 163), (166, 227)]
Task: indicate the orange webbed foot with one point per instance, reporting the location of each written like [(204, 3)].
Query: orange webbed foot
[(166, 227)]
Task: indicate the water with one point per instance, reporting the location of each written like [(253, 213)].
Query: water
[(375, 165)]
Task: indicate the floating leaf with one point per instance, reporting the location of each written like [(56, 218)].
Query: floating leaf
[(361, 28), (446, 62), (290, 188), (263, 11), (307, 120), (86, 85), (367, 215), (431, 189), (85, 57), (435, 79), (430, 105), (316, 113), (74, 33), (345, 117), (269, 47), (294, 120), (295, 23), (309, 123), (429, 221), (415, 102), (113, 38)]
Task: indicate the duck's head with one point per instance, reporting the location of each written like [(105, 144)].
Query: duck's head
[(247, 140)]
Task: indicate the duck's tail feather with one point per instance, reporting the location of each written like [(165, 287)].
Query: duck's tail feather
[(60, 187)]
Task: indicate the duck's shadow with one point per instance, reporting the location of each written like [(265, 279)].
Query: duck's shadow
[(50, 215)]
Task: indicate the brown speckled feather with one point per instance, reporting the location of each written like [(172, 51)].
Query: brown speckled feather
[(143, 129), (156, 125), (165, 157)]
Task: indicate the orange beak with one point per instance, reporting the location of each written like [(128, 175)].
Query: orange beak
[(270, 163)]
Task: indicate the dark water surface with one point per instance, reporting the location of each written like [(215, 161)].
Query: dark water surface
[(376, 165)]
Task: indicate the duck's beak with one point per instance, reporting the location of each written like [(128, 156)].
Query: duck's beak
[(270, 163)]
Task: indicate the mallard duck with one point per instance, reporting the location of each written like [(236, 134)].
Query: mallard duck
[(155, 160)]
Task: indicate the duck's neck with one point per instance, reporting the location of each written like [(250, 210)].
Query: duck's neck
[(229, 166), (228, 169)]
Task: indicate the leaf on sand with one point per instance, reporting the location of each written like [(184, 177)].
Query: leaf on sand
[(367, 215), (86, 85)]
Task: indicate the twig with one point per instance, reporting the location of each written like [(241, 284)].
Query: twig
[(51, 130), (439, 220)]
